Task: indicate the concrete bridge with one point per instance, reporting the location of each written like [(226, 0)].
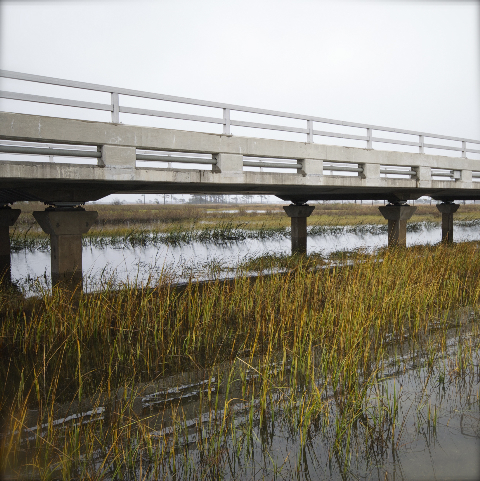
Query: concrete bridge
[(106, 157)]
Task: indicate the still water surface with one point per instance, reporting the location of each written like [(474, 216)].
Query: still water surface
[(436, 430), (197, 259), (416, 422)]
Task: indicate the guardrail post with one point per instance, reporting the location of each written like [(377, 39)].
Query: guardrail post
[(115, 108), (8, 217), (369, 138), (311, 167), (226, 121), (464, 176), (370, 173), (424, 176), (421, 141), (117, 156), (464, 149), (310, 131), (228, 164)]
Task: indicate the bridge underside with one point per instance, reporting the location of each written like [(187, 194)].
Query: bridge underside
[(81, 192)]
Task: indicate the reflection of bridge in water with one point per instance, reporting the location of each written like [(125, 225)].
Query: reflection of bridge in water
[(111, 157)]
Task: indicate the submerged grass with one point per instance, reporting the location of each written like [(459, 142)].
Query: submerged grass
[(97, 378), (142, 225), (220, 233)]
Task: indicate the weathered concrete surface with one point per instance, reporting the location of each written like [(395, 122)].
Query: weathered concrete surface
[(65, 228), (298, 215), (115, 156), (447, 210), (228, 163), (397, 216), (116, 170), (8, 217)]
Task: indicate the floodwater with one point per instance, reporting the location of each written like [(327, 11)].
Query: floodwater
[(417, 422), (205, 260)]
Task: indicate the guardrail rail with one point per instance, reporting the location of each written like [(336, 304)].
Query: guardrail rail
[(225, 119)]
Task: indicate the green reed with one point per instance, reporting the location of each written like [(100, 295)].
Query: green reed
[(276, 350)]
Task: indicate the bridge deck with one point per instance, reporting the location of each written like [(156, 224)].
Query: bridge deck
[(120, 157)]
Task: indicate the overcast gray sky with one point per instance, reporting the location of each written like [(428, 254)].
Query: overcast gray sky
[(405, 64)]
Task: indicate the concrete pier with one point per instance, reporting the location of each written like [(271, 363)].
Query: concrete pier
[(298, 214), (397, 216), (447, 209), (8, 217), (65, 227)]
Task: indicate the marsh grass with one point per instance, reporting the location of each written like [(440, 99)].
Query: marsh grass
[(220, 233), (298, 356), (142, 225)]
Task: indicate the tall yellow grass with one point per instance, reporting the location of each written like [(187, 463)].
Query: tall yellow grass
[(301, 336)]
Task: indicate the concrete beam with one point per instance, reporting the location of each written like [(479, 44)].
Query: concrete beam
[(397, 216), (447, 209), (8, 217), (298, 215), (65, 228)]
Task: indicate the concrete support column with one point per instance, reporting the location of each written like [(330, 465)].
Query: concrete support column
[(397, 216), (447, 209), (65, 227), (298, 215), (8, 217)]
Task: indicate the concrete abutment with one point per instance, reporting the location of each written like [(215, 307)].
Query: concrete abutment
[(298, 215), (65, 228)]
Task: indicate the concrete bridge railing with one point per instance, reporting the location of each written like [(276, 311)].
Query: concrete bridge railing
[(310, 128)]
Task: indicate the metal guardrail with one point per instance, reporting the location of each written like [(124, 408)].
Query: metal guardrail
[(8, 149), (51, 150), (411, 173), (175, 158), (226, 121)]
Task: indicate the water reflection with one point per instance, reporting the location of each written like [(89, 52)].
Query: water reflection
[(197, 259)]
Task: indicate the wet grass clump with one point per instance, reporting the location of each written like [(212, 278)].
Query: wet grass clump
[(280, 262), (285, 374)]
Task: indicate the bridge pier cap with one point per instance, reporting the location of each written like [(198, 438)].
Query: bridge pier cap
[(65, 225)]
